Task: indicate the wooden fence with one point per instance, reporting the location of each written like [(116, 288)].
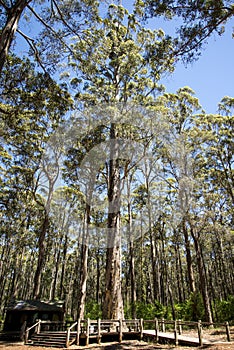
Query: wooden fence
[(87, 329), (177, 326)]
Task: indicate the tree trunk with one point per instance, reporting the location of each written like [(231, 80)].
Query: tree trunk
[(202, 276), (131, 253), (84, 265), (188, 258), (55, 272), (154, 291), (7, 35), (41, 258), (98, 277), (64, 259), (113, 302)]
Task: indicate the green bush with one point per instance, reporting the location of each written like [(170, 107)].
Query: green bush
[(225, 309), (194, 308), (180, 311), (150, 311), (93, 310)]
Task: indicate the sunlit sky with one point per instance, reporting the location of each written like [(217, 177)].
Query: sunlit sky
[(212, 76)]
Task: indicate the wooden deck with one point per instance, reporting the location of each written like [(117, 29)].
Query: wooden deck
[(170, 337), (82, 332)]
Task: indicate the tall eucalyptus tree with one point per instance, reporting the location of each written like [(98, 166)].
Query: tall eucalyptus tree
[(118, 62)]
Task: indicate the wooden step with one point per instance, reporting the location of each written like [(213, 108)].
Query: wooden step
[(51, 339)]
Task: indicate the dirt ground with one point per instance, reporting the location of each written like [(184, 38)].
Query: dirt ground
[(128, 345)]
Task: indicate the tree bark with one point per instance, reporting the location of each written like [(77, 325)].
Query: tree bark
[(84, 265), (202, 276), (132, 266), (98, 277), (64, 259), (41, 258), (7, 35), (113, 302), (132, 271), (188, 258)]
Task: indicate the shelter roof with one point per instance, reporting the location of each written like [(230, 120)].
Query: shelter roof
[(36, 305)]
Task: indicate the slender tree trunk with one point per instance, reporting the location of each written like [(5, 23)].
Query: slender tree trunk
[(98, 277), (202, 276), (5, 267), (154, 291), (178, 273), (182, 276), (7, 35), (153, 261), (131, 252), (61, 288), (55, 276), (188, 258), (172, 302), (84, 265), (132, 268), (18, 262), (74, 286), (41, 258), (141, 285)]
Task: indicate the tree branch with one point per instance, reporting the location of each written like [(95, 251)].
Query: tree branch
[(63, 20), (30, 42), (50, 28), (4, 5), (211, 29)]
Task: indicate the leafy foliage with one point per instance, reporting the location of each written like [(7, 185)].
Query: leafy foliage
[(93, 310), (150, 311), (225, 309), (199, 19)]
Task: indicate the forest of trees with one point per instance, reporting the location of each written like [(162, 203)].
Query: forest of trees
[(116, 196)]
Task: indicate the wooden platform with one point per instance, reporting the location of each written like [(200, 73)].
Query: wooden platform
[(82, 332), (170, 337)]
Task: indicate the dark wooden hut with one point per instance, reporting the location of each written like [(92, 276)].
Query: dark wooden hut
[(19, 312)]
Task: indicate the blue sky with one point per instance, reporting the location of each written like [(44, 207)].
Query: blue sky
[(212, 76)]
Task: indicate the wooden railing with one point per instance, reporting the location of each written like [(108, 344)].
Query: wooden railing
[(68, 342), (177, 327), (37, 330), (96, 328)]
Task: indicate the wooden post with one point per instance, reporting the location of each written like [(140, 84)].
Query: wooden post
[(22, 330), (228, 331), (156, 329), (180, 327), (87, 332), (120, 331), (78, 332), (199, 327), (99, 331), (38, 327), (175, 333), (26, 336), (163, 325), (68, 337), (141, 328)]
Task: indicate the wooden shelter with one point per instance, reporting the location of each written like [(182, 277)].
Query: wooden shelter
[(19, 312)]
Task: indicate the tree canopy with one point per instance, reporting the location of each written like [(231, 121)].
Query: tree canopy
[(198, 20)]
